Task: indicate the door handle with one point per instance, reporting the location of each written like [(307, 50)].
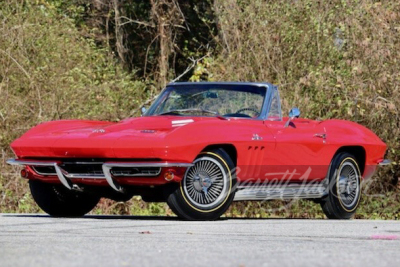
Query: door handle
[(321, 135)]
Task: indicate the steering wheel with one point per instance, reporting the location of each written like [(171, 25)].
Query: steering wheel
[(256, 113)]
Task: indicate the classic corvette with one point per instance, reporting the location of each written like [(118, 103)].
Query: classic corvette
[(199, 147)]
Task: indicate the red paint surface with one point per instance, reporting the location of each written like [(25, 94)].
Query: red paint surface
[(294, 149)]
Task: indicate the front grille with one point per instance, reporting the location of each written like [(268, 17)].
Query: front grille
[(44, 170), (94, 169), (83, 168), (136, 171)]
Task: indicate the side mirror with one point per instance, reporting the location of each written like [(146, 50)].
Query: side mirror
[(293, 113), (143, 110)]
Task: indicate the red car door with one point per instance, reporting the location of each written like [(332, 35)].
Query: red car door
[(300, 151)]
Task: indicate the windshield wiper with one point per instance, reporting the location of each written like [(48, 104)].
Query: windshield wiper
[(177, 111)]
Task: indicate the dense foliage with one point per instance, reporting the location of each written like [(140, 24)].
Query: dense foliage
[(101, 59)]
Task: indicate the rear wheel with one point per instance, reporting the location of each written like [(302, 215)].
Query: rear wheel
[(344, 188), (58, 201), (207, 189)]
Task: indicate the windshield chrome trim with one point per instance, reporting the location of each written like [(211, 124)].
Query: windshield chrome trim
[(268, 104), (258, 84)]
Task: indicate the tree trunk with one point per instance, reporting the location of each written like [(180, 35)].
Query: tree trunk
[(167, 16), (119, 33)]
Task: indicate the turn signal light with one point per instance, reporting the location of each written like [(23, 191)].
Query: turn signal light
[(24, 173), (169, 175)]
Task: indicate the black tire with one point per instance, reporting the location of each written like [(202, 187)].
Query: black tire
[(58, 201), (204, 197), (344, 187)]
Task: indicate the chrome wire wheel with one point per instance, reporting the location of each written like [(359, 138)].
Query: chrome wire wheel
[(348, 185), (206, 183)]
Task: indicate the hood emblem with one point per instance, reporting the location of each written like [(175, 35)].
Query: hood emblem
[(148, 131), (99, 131)]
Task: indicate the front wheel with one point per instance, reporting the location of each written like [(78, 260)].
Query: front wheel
[(344, 188), (207, 189), (58, 201)]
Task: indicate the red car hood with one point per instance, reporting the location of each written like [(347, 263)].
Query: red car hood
[(131, 138)]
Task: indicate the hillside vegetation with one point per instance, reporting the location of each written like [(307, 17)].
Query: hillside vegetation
[(102, 59)]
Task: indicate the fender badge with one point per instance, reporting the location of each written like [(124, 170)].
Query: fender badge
[(256, 137), (99, 131)]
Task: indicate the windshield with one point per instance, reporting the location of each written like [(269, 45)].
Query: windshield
[(244, 101)]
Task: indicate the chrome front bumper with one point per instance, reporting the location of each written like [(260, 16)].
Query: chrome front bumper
[(65, 178)]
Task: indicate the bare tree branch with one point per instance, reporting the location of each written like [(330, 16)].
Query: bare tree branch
[(189, 68), (129, 20), (16, 62)]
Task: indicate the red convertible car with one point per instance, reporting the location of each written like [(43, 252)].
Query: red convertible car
[(199, 147)]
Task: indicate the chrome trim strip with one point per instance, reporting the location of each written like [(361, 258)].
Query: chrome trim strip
[(148, 164), (258, 84), (84, 176), (61, 177), (83, 163), (30, 162), (385, 162), (284, 192), (267, 102), (107, 173)]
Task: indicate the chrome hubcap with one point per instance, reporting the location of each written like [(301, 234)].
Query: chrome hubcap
[(202, 182), (205, 183), (348, 185)]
